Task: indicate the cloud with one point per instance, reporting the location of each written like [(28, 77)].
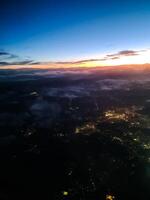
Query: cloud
[(34, 63), (81, 61), (25, 62), (6, 55), (8, 59), (2, 53), (3, 63), (114, 56), (128, 53), (123, 53)]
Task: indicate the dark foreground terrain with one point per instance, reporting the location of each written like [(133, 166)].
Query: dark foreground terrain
[(74, 135)]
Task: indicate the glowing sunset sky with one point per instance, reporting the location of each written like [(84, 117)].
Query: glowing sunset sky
[(81, 33)]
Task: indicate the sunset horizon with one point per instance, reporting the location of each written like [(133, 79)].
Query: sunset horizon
[(124, 57)]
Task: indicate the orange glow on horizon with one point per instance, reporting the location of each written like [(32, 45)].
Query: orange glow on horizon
[(141, 59)]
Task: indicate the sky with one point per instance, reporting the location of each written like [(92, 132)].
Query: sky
[(61, 33)]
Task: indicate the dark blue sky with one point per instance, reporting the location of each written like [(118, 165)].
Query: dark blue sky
[(45, 30)]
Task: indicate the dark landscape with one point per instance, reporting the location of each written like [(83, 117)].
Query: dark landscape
[(75, 134)]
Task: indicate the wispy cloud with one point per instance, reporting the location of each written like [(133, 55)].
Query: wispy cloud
[(6, 55), (2, 53), (123, 53), (9, 59), (25, 62), (114, 56)]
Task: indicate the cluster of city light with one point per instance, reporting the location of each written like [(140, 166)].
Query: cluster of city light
[(110, 197), (146, 146), (125, 114), (115, 116), (121, 114), (65, 193), (88, 127)]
